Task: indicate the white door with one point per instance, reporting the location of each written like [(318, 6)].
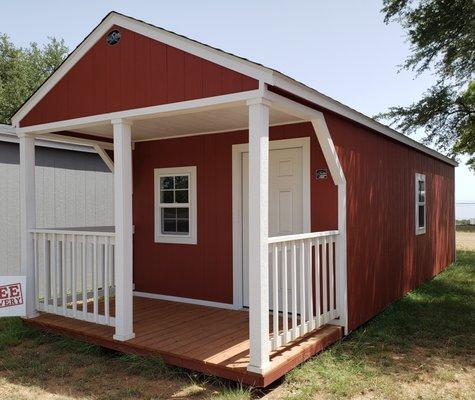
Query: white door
[(285, 201)]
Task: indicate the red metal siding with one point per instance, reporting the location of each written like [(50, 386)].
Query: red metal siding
[(204, 271), (385, 257), (136, 72)]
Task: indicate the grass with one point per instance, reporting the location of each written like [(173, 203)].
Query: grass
[(421, 347), (35, 364)]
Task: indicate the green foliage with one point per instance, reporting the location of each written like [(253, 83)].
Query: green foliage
[(23, 70), (441, 34)]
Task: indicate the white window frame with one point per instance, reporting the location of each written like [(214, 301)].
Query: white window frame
[(420, 178), (160, 237)]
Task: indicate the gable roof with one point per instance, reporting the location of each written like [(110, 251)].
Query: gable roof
[(239, 64)]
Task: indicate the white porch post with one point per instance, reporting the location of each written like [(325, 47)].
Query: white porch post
[(123, 230), (27, 220), (258, 235), (341, 273)]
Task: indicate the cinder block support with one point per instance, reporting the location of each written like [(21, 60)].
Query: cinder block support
[(28, 220), (123, 230), (258, 235)]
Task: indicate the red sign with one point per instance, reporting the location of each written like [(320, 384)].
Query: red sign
[(11, 295)]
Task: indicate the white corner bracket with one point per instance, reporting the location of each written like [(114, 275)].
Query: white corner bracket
[(105, 157)]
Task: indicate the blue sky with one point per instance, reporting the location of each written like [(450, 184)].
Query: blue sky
[(341, 48)]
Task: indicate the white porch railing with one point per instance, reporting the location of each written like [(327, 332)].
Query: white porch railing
[(74, 271), (301, 284)]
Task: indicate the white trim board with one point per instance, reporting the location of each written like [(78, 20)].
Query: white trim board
[(7, 134), (163, 110), (187, 300), (237, 151)]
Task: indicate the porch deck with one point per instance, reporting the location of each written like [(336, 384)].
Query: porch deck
[(205, 339)]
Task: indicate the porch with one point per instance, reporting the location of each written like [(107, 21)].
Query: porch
[(296, 283), (205, 339)]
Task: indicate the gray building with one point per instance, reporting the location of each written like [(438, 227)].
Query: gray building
[(73, 188)]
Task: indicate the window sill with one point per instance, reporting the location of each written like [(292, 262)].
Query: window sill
[(172, 239)]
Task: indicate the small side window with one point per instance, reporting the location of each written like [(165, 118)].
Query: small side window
[(420, 202), (175, 205)]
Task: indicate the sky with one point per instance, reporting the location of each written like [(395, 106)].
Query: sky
[(341, 48)]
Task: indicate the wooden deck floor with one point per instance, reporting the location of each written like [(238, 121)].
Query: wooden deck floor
[(210, 340)]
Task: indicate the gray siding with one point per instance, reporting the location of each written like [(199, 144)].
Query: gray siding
[(72, 189)]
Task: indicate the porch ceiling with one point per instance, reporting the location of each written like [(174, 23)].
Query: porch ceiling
[(217, 120)]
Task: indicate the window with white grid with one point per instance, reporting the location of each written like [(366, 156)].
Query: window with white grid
[(175, 205)]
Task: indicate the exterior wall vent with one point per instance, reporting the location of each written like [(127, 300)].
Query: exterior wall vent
[(113, 37)]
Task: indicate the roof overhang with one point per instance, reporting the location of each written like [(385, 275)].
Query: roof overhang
[(8, 134), (266, 76)]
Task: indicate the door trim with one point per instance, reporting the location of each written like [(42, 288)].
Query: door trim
[(237, 150)]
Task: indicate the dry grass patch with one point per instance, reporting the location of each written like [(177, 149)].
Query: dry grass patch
[(465, 240)]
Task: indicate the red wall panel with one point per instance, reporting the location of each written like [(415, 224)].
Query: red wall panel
[(136, 72), (385, 257), (204, 271)]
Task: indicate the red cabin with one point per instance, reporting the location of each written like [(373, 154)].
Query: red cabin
[(257, 220)]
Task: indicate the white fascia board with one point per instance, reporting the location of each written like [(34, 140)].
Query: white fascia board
[(182, 107), (13, 138), (283, 82), (190, 46)]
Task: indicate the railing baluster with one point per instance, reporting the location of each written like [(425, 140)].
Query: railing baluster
[(63, 276), (303, 316), (285, 294), (106, 280), (73, 276), (324, 280), (293, 260), (309, 285), (332, 276), (47, 272), (37, 270), (95, 281), (54, 268), (84, 278), (275, 295), (317, 284)]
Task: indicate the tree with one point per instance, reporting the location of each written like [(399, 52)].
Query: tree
[(23, 70), (441, 34)]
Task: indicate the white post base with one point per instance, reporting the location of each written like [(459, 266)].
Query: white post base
[(258, 370), (123, 338)]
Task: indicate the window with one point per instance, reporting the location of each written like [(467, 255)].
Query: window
[(420, 204), (175, 205)]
